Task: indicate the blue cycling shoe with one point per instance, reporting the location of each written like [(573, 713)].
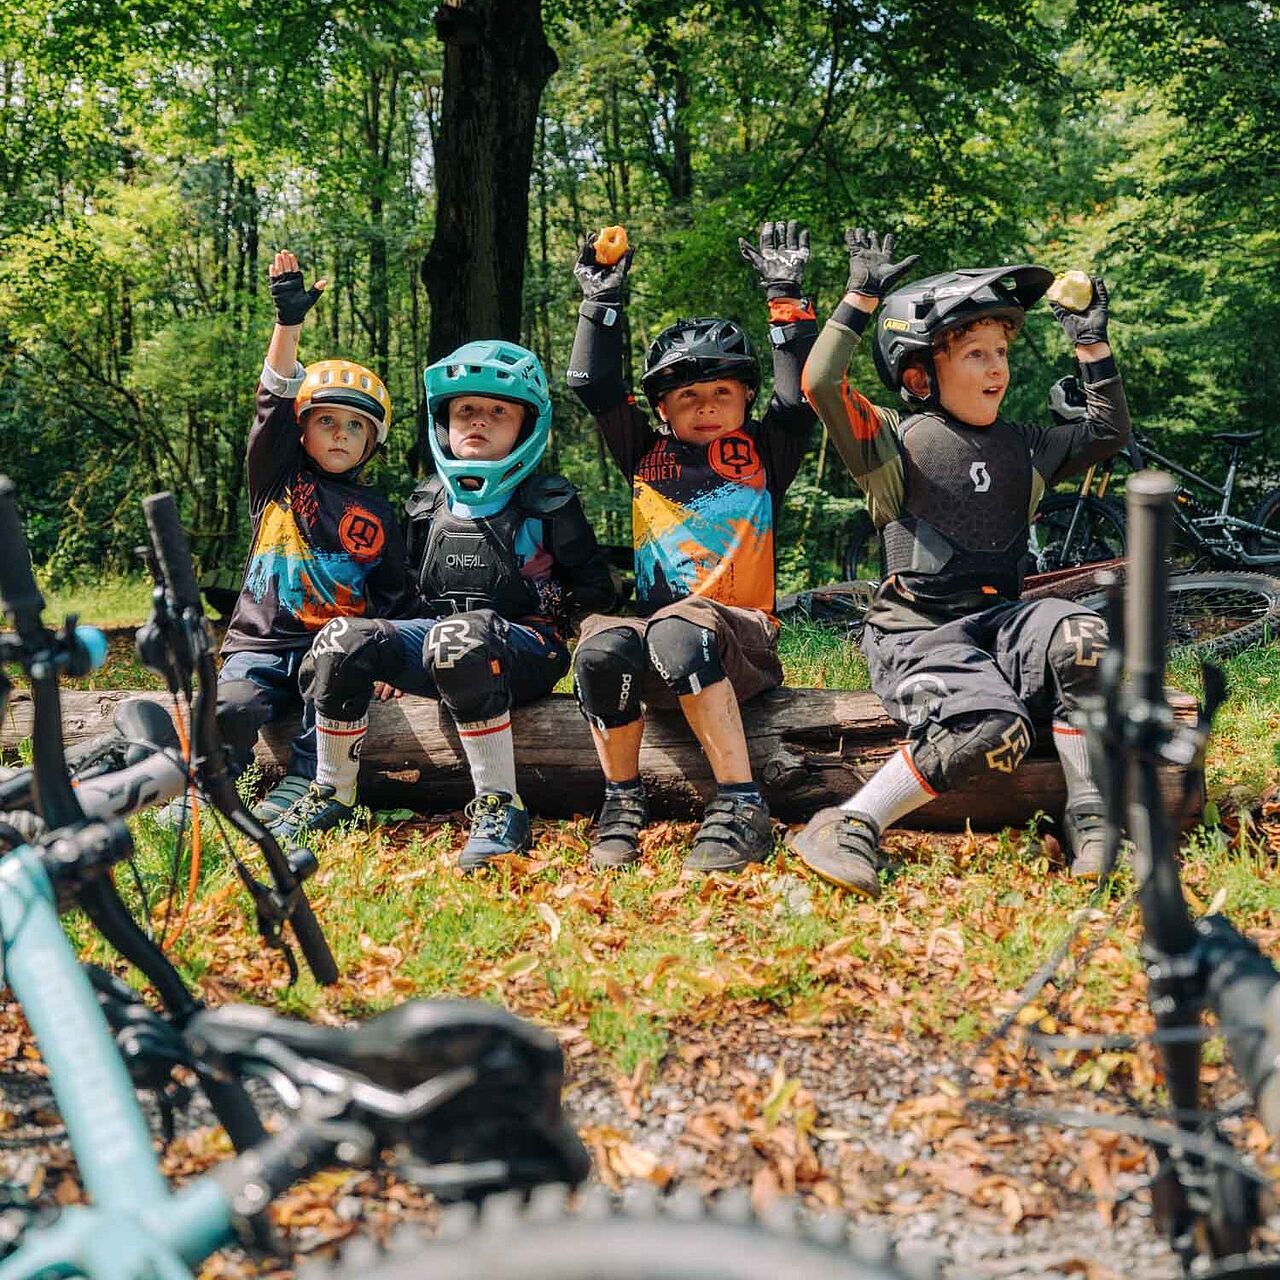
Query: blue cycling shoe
[(499, 825)]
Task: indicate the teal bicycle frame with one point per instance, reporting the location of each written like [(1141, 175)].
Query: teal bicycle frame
[(136, 1226)]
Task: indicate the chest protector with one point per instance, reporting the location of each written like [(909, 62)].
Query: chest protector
[(962, 532), (469, 562)]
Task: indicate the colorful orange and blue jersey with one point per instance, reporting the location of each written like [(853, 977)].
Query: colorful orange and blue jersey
[(704, 517), (324, 546)]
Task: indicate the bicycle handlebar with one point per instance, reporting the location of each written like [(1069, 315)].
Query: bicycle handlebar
[(1243, 990), (22, 597), (169, 541)]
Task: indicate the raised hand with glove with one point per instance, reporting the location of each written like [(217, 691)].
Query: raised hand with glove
[(780, 260), (1087, 328), (291, 297), (599, 282), (872, 270)]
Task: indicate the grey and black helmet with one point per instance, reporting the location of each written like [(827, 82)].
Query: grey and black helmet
[(912, 318), (698, 350)]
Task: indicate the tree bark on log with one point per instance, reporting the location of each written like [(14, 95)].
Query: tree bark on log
[(809, 748)]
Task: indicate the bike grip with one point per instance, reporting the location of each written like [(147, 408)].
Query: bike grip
[(169, 541), (94, 644), (1243, 990), (1136, 460), (312, 942), (18, 588)]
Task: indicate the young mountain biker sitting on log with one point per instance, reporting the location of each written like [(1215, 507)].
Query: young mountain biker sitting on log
[(956, 657), (502, 558), (325, 545), (707, 482)]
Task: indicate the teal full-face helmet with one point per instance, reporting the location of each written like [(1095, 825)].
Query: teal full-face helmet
[(503, 371)]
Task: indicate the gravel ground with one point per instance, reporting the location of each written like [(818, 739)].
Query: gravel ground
[(856, 1082), (880, 1165)]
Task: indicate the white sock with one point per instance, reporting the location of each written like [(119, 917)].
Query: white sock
[(491, 754), (894, 791), (338, 744), (1073, 750)]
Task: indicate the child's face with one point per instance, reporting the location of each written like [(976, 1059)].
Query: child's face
[(973, 374), (336, 438), (483, 428), (705, 411)]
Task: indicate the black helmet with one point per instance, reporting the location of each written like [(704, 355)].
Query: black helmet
[(698, 351), (912, 318), (1067, 402)]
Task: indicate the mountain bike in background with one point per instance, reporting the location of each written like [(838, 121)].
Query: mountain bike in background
[(1089, 525)]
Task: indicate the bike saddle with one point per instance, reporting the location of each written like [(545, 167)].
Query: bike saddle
[(509, 1114), (395, 1050), (1235, 438), (145, 724)]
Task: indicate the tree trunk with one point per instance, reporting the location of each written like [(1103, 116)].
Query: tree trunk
[(496, 63), (809, 748)]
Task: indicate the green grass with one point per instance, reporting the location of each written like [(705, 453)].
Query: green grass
[(106, 602), (625, 960)]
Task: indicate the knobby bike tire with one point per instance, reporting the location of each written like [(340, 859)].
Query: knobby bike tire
[(646, 1238), (1267, 514), (1243, 609), (1101, 534)]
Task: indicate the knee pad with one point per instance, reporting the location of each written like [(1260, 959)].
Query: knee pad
[(466, 658), (1075, 651), (956, 750), (685, 655), (242, 711), (345, 658), (608, 670)]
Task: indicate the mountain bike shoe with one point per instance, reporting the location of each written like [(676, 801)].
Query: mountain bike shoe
[(735, 831), (317, 809), (1085, 833), (623, 815), (499, 825), (284, 795), (844, 849)]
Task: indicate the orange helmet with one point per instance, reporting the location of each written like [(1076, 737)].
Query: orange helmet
[(346, 383)]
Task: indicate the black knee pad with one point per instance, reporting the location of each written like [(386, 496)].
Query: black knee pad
[(465, 656), (345, 658), (963, 747), (242, 711), (685, 655), (1075, 651), (607, 671)]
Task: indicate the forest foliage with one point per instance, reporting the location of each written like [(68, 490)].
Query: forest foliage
[(153, 155)]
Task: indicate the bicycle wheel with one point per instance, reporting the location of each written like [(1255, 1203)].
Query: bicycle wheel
[(1099, 532), (1218, 614), (644, 1239), (1267, 514), (863, 554)]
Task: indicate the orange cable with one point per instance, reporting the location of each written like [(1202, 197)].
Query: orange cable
[(193, 876)]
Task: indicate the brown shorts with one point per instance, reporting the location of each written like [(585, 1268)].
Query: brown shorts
[(747, 640)]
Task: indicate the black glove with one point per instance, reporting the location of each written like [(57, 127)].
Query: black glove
[(784, 249), (871, 267), (1084, 328), (291, 299), (598, 282)]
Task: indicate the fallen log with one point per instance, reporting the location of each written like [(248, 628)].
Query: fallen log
[(809, 748)]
